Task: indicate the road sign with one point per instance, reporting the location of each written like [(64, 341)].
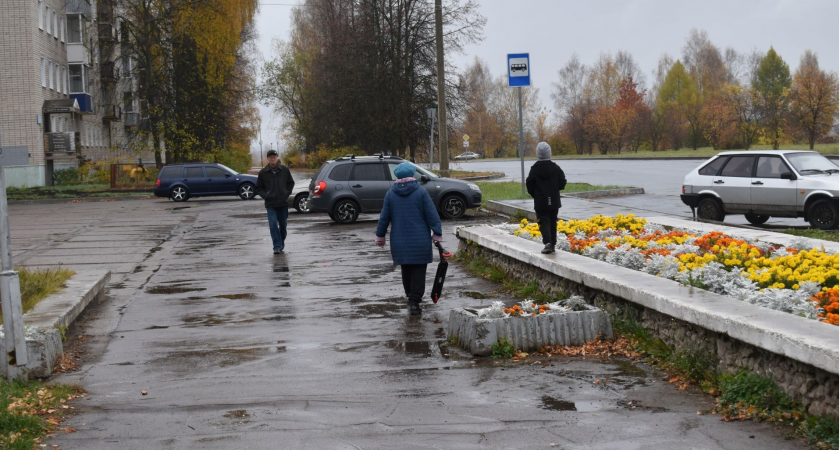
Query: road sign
[(466, 143), (466, 137), (519, 69)]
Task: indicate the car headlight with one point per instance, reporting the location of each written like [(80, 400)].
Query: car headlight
[(474, 187)]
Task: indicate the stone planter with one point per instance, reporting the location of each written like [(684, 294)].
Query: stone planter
[(527, 333)]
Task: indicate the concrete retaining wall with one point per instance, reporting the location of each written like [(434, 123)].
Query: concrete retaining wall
[(46, 320), (528, 332), (799, 354)]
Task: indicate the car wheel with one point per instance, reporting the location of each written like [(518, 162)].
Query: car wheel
[(756, 219), (453, 207), (710, 209), (345, 211), (823, 215), (246, 191), (179, 194), (300, 203), (331, 216)]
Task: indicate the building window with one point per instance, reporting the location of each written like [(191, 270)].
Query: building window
[(74, 29), (77, 82), (62, 27), (40, 14), (49, 22), (66, 80), (50, 73), (128, 101), (55, 24), (57, 79), (43, 72)]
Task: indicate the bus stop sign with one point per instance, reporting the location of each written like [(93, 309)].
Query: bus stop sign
[(519, 69)]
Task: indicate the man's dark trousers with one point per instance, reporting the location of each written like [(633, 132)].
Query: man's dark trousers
[(547, 220), (277, 218), (414, 281)]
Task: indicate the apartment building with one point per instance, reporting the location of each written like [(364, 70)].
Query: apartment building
[(53, 50)]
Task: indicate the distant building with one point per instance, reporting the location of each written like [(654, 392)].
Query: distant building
[(63, 49)]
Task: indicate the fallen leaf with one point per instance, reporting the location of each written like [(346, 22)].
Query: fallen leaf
[(143, 392)]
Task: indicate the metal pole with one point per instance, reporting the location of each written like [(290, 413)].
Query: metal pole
[(443, 134), (432, 144), (15, 342), (521, 142)]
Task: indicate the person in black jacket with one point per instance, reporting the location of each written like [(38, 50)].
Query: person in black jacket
[(274, 184), (544, 183)]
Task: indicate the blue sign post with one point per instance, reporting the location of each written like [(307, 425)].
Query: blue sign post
[(519, 74)]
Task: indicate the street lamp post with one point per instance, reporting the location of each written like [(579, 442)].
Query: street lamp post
[(443, 135)]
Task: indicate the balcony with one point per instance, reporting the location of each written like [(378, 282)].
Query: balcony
[(107, 32), (112, 113), (82, 7), (131, 119), (85, 103), (109, 73)]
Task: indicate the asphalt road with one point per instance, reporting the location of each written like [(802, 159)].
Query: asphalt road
[(313, 349), (662, 180)]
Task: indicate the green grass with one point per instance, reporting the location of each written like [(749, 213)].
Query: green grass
[(512, 190), (503, 349), (70, 191), (26, 422), (814, 234), (704, 152), (467, 174), (36, 285)]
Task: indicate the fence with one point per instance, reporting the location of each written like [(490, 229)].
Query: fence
[(29, 175)]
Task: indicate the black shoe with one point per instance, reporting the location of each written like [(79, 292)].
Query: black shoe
[(414, 308), (548, 249)]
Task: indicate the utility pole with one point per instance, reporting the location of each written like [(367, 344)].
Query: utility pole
[(443, 135), (15, 342), (431, 113)]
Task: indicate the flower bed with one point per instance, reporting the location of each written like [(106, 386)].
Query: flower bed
[(796, 280)]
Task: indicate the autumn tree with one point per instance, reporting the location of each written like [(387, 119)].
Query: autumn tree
[(813, 98), (772, 82), (573, 103), (678, 96), (743, 104)]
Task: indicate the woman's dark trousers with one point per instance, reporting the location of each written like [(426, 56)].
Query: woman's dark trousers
[(547, 219), (414, 281)]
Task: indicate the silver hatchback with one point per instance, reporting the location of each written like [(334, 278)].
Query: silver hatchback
[(765, 183)]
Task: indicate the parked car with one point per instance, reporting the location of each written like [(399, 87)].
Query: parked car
[(180, 182), (298, 197), (347, 186), (466, 156), (765, 183)]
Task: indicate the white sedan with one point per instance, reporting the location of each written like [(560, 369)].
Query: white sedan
[(466, 156), (299, 194)]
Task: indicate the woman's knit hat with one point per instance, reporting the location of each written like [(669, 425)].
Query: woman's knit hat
[(405, 170)]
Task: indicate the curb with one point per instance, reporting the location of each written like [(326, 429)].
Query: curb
[(488, 177), (44, 323), (606, 193), (53, 201), (499, 206)]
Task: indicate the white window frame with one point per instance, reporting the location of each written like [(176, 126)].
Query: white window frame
[(49, 22), (66, 79), (40, 14), (50, 73), (62, 26), (43, 72), (55, 24)]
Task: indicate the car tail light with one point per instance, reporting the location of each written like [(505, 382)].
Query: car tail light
[(157, 182), (683, 189), (320, 187)]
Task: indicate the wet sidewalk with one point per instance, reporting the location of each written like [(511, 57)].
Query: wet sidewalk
[(313, 349)]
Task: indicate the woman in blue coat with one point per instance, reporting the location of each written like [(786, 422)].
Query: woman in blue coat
[(413, 218)]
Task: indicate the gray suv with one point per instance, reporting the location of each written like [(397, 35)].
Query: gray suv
[(347, 186)]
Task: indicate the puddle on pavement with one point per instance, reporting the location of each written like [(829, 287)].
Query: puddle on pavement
[(237, 296), (280, 269), (249, 216), (237, 414), (377, 310), (417, 348), (628, 369), (189, 361), (211, 320), (554, 404), (173, 290), (635, 405)]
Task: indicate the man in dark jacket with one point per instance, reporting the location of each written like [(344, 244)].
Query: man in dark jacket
[(544, 183), (274, 184), (415, 224)]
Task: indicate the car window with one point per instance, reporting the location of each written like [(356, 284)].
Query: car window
[(713, 167), (171, 172), (215, 172), (321, 170), (738, 166), (341, 172), (804, 162), (770, 167), (368, 172), (193, 172)]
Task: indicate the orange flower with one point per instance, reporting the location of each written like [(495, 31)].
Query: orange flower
[(828, 301)]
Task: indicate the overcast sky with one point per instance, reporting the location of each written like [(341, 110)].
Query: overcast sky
[(552, 30)]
